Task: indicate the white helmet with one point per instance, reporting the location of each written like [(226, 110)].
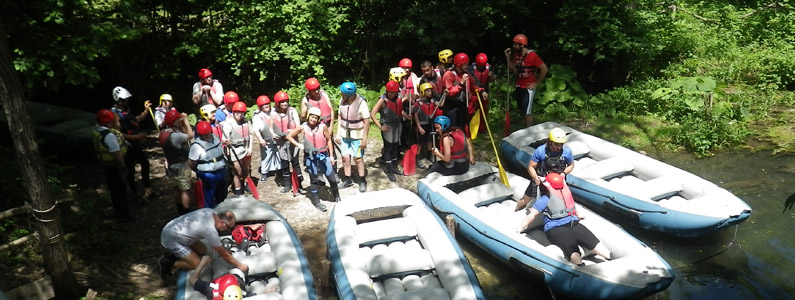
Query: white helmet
[(314, 111), (120, 93), (207, 111)]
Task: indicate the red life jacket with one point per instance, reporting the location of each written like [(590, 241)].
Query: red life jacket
[(247, 232), (561, 202), (391, 111), (315, 140), (220, 284), (458, 151), (322, 103), (424, 109), (481, 77), (524, 71), (283, 122)]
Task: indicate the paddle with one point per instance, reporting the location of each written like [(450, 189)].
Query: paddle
[(410, 158), (152, 114), (294, 181), (507, 100), (198, 192), (474, 125), (250, 183), (503, 176)]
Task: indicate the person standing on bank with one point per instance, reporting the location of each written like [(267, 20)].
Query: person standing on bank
[(207, 90), (285, 120), (316, 97), (131, 130), (237, 137), (353, 125), (175, 143), (317, 158), (529, 71), (456, 82), (263, 129), (207, 159), (111, 147), (390, 107)]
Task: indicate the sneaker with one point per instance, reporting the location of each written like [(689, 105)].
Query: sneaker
[(347, 183), (390, 176), (362, 187), (164, 265), (285, 189)]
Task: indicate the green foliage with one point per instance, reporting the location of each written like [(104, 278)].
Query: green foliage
[(561, 94)]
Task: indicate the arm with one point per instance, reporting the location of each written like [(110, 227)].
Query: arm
[(543, 70), (417, 122), (329, 145), (366, 126), (256, 126), (444, 154), (186, 126), (304, 108), (231, 260), (531, 169), (527, 220), (470, 152), (294, 133), (375, 110), (195, 277), (449, 84)]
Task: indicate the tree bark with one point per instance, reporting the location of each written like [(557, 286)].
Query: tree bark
[(42, 204)]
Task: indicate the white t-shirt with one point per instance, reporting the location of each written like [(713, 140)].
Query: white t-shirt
[(191, 227), (111, 141)]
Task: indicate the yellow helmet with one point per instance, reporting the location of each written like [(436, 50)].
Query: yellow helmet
[(396, 74), (424, 87), (445, 55), (233, 292), (557, 135), (207, 111), (165, 97)]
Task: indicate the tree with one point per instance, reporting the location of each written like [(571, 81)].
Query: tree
[(42, 204)]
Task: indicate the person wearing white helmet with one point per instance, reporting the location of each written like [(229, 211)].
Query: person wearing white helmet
[(551, 157), (131, 130), (317, 155)]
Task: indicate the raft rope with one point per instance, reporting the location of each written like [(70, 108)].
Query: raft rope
[(613, 200), (731, 243)]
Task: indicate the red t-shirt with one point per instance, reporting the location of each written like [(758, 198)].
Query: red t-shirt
[(527, 75)]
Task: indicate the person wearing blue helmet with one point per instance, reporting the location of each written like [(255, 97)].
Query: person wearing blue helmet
[(454, 151), (353, 123)]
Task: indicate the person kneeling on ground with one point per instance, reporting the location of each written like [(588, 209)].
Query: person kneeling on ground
[(561, 223), (456, 153)]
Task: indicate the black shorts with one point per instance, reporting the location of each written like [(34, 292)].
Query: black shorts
[(568, 237), (524, 100), (424, 138)]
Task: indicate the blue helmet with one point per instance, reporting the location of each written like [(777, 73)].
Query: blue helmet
[(348, 88), (443, 121)]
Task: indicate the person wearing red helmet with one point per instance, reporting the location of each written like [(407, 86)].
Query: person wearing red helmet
[(224, 111), (237, 137), (207, 90), (317, 97), (111, 148), (409, 83), (561, 223), (286, 120), (131, 130), (262, 122), (456, 82), (529, 71), (174, 140), (317, 148), (206, 157), (481, 73), (390, 107), (230, 286)]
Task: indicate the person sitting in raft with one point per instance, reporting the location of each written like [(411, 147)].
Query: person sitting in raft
[(561, 223), (454, 149)]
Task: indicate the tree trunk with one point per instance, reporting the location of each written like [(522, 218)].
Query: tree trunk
[(42, 203)]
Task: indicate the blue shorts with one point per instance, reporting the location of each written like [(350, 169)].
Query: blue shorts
[(350, 147), (524, 99)]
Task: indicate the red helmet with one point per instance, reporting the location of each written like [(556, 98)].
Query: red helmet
[(239, 107), (226, 281), (203, 127), (555, 180), (230, 97), (405, 63), (280, 97), (392, 86), (171, 116), (521, 39), (481, 59), (204, 73), (461, 58), (263, 100), (311, 84), (104, 116)]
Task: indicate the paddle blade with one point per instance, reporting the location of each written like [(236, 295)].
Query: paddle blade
[(507, 124), (410, 161), (503, 176), (252, 187), (474, 125), (198, 191), (294, 180)]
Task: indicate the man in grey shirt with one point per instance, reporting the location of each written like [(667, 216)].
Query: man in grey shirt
[(182, 237)]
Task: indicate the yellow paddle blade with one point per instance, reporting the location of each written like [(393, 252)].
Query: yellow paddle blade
[(474, 125), (503, 176)]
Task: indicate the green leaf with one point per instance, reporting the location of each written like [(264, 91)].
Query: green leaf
[(706, 84), (562, 72), (690, 84), (556, 84), (663, 93)]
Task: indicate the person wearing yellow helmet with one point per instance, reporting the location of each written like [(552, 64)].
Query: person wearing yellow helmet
[(166, 104), (445, 61), (529, 70), (551, 157), (423, 112), (432, 76)]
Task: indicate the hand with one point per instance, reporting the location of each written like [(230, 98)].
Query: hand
[(385, 128), (244, 268), (262, 143), (507, 52), (422, 131), (563, 174), (337, 140), (300, 147), (519, 229), (465, 77), (363, 145), (472, 161), (532, 85), (537, 181), (206, 88), (332, 160), (147, 104)]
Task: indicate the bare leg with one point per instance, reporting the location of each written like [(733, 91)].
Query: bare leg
[(184, 198), (195, 276), (576, 258), (346, 165), (601, 250), (523, 202), (528, 120), (236, 180), (360, 166)]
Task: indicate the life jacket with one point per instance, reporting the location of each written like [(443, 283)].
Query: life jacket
[(408, 87), (265, 131), (283, 123), (438, 87), (481, 77), (561, 202), (213, 90), (220, 284), (424, 111), (101, 149), (461, 96), (524, 71), (128, 123), (240, 134), (349, 114), (174, 155), (554, 164), (247, 232), (391, 111), (458, 151), (315, 140), (214, 157), (322, 103)]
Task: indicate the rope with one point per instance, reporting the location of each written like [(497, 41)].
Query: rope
[(29, 207), (731, 243)]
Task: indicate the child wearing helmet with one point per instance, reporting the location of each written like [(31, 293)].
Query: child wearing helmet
[(353, 125), (423, 112), (206, 157), (263, 129), (529, 70), (445, 59), (207, 90), (551, 157), (317, 97), (174, 142), (131, 130), (390, 107), (165, 105), (454, 153), (286, 120), (561, 223), (317, 148), (237, 137), (111, 148)]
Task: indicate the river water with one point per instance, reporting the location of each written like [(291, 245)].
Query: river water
[(759, 264)]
